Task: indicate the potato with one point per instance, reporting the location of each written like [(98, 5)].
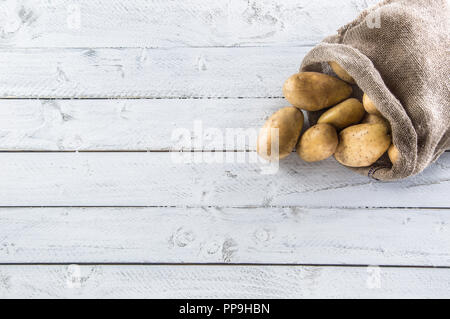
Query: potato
[(370, 106), (289, 122), (394, 154), (362, 145), (341, 73), (376, 119), (346, 113), (313, 91), (318, 143)]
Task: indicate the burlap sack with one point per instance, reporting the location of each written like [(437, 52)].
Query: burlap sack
[(398, 53)]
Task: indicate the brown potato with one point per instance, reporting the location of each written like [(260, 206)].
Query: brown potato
[(289, 122), (318, 143), (394, 154), (346, 113), (376, 119), (370, 106), (313, 91), (341, 73), (362, 145)]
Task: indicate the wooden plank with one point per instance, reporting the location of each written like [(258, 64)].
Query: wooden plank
[(132, 125), (141, 23), (221, 282), (98, 125), (226, 235), (147, 73), (205, 179)]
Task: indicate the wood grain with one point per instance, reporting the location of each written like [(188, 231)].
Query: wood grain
[(174, 63), (141, 23), (131, 73), (226, 235), (205, 179), (221, 282), (147, 73), (132, 125), (98, 125)]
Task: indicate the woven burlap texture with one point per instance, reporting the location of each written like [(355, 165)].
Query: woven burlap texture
[(398, 53)]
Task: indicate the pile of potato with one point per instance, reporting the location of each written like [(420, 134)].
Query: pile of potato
[(355, 133)]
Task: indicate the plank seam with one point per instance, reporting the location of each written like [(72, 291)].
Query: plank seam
[(226, 265), (161, 48), (131, 151), (144, 98), (237, 207)]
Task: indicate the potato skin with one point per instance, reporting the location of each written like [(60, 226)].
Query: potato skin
[(375, 119), (341, 73), (313, 91), (370, 106), (289, 121), (346, 113), (318, 143), (394, 154), (362, 145)]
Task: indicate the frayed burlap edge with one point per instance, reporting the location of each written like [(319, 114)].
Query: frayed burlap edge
[(370, 82)]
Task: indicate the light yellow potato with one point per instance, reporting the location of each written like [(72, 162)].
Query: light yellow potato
[(346, 113), (318, 143), (341, 73), (375, 119), (313, 91), (370, 106), (362, 145), (289, 122), (394, 154)]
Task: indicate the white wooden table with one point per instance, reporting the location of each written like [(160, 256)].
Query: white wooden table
[(93, 204)]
